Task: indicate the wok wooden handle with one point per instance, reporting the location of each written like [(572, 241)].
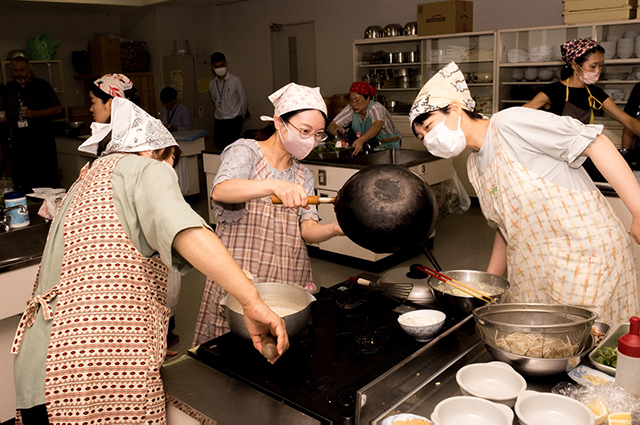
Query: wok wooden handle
[(311, 200)]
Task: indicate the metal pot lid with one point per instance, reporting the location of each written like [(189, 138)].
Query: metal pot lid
[(421, 290)]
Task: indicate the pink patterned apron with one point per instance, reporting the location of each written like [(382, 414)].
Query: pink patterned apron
[(564, 246), (109, 329), (266, 242)]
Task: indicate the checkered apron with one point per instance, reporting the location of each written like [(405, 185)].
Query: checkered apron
[(564, 246), (109, 329), (267, 242)]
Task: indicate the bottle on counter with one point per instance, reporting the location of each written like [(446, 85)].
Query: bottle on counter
[(628, 366)]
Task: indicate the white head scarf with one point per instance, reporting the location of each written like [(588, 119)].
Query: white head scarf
[(294, 97), (444, 88), (132, 130)]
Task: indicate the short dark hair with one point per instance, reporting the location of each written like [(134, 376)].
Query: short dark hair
[(420, 119), (218, 57), (168, 94)]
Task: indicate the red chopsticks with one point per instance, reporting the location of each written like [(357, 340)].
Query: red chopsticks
[(457, 284)]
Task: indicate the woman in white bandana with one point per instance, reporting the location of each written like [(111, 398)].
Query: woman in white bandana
[(265, 239), (557, 236), (91, 342)]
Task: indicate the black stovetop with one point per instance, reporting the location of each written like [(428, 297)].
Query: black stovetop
[(324, 366)]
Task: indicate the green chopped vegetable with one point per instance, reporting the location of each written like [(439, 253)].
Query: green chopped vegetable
[(606, 356)]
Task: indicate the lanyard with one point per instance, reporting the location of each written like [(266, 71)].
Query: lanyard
[(220, 90), (593, 102)]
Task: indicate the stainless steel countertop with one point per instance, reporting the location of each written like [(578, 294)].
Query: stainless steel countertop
[(222, 398)]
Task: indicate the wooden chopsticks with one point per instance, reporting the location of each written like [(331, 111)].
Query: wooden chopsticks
[(457, 284)]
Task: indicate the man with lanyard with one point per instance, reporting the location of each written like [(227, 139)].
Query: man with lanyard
[(175, 116), (369, 120), (30, 103), (230, 101)]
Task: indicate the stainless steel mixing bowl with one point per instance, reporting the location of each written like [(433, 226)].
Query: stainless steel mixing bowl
[(278, 296), (535, 330)]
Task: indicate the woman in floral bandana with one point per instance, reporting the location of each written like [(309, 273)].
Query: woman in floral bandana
[(269, 240), (576, 95), (91, 342), (368, 119), (556, 235)]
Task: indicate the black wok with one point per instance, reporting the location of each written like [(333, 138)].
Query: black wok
[(385, 208)]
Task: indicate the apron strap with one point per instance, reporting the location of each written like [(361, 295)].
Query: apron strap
[(593, 102), (30, 313)]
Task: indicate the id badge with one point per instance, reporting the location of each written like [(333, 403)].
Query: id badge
[(23, 124), (220, 110)]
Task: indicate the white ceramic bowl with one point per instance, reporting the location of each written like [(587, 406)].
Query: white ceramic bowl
[(494, 381), (433, 319), (517, 74), (530, 74), (545, 74), (471, 410), (636, 75), (631, 34), (534, 408)]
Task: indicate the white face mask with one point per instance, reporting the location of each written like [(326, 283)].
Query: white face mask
[(220, 71), (444, 142), (298, 147)]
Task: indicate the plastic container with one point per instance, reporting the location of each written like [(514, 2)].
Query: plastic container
[(16, 217), (628, 366)]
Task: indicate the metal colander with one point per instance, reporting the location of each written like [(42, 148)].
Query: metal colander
[(535, 330)]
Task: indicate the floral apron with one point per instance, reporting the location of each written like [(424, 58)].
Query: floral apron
[(109, 329), (266, 242), (564, 246)]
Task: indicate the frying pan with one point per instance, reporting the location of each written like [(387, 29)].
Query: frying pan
[(385, 208)]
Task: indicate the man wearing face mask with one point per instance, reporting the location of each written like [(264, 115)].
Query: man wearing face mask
[(229, 100), (266, 239), (576, 95), (557, 237)]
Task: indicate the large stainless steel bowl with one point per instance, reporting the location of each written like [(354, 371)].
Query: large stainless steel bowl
[(535, 330), (392, 30), (533, 366), (457, 302), (374, 31), (292, 303)]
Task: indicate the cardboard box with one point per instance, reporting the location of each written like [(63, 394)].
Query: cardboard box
[(578, 5), (105, 55), (445, 17), (599, 15)]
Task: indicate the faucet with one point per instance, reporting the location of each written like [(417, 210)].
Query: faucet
[(5, 220)]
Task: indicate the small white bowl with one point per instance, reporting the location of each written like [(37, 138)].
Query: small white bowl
[(534, 408), (433, 321), (494, 381), (471, 410)]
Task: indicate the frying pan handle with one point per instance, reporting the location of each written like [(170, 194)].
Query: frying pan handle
[(311, 200)]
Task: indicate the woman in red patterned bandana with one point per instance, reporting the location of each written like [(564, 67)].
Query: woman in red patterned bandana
[(93, 337), (369, 120)]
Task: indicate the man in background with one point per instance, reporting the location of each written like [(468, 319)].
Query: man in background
[(30, 104), (229, 100), (175, 116)]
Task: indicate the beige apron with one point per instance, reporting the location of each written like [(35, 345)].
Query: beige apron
[(564, 246), (266, 242), (108, 336)]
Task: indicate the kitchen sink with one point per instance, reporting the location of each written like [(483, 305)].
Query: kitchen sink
[(23, 246), (406, 157)]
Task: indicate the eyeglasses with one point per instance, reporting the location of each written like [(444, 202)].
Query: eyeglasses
[(305, 134), (354, 100)]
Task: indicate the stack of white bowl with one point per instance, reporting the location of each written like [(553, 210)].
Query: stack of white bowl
[(625, 48), (609, 49)]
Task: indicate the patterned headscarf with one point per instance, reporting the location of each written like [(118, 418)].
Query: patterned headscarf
[(444, 88), (132, 130), (114, 84), (363, 88), (294, 97), (572, 50)]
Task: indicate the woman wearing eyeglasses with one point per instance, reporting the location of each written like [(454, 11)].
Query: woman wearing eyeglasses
[(369, 120), (265, 239)]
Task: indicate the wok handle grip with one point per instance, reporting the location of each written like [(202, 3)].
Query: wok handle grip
[(269, 348), (311, 200), (361, 281)]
